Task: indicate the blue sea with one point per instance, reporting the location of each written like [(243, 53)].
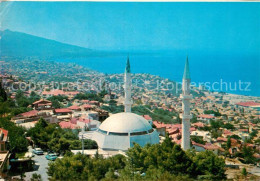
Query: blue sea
[(232, 74)]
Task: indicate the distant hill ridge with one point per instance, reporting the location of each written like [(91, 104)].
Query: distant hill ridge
[(19, 44)]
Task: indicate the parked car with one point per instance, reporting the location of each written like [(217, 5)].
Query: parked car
[(38, 151), (51, 156)]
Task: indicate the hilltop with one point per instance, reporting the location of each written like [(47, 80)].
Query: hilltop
[(17, 44)]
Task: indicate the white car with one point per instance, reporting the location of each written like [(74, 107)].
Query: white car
[(38, 151)]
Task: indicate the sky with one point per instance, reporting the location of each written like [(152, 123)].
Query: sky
[(208, 27)]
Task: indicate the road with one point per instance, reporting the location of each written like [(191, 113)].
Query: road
[(41, 164)]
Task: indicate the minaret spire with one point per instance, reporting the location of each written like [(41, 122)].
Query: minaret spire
[(128, 87), (186, 74), (186, 97)]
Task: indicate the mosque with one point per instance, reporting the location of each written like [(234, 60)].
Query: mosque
[(120, 131)]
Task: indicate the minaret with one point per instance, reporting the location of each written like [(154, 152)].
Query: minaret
[(128, 101), (186, 97)]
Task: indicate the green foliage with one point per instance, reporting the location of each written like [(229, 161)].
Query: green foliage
[(164, 116), (247, 154), (4, 108), (253, 133), (113, 108), (166, 161), (194, 119), (102, 93), (21, 100), (3, 95), (235, 137), (56, 101), (215, 133), (198, 139), (52, 137), (34, 97), (229, 143), (210, 164), (142, 110), (216, 124), (56, 104), (36, 177), (112, 102), (17, 140), (24, 101), (157, 114), (228, 126), (59, 98), (244, 172), (90, 96), (212, 112), (81, 167)]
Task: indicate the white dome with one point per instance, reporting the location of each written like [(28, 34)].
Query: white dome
[(125, 123)]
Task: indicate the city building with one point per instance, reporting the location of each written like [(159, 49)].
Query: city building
[(4, 153)]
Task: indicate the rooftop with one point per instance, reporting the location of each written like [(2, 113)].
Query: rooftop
[(125, 123)]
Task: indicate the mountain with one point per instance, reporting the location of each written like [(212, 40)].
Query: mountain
[(21, 44)]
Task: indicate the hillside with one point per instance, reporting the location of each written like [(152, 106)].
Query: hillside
[(20, 45)]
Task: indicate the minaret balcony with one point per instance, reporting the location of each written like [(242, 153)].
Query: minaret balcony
[(186, 97), (182, 116)]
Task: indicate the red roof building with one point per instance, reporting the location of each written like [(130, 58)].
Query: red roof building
[(206, 116), (199, 125), (227, 133), (42, 104), (3, 139), (248, 104), (147, 117), (75, 108), (32, 113), (68, 125), (221, 139), (62, 111)]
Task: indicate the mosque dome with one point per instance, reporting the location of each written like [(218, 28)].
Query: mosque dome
[(125, 123), (120, 131)]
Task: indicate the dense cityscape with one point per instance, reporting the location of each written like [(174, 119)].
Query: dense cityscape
[(56, 120)]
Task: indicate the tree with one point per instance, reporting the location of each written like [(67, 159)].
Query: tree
[(228, 143), (166, 161), (90, 96), (210, 164), (235, 137), (17, 140), (52, 137), (253, 133), (198, 139), (244, 172), (178, 120), (36, 177), (82, 167), (228, 126), (247, 154), (3, 95), (212, 112), (56, 104), (34, 97)]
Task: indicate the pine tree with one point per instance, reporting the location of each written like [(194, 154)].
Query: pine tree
[(244, 172), (3, 95), (229, 143)]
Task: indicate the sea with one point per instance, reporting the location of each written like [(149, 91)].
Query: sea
[(221, 73)]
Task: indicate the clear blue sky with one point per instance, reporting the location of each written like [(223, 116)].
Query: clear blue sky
[(217, 27)]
